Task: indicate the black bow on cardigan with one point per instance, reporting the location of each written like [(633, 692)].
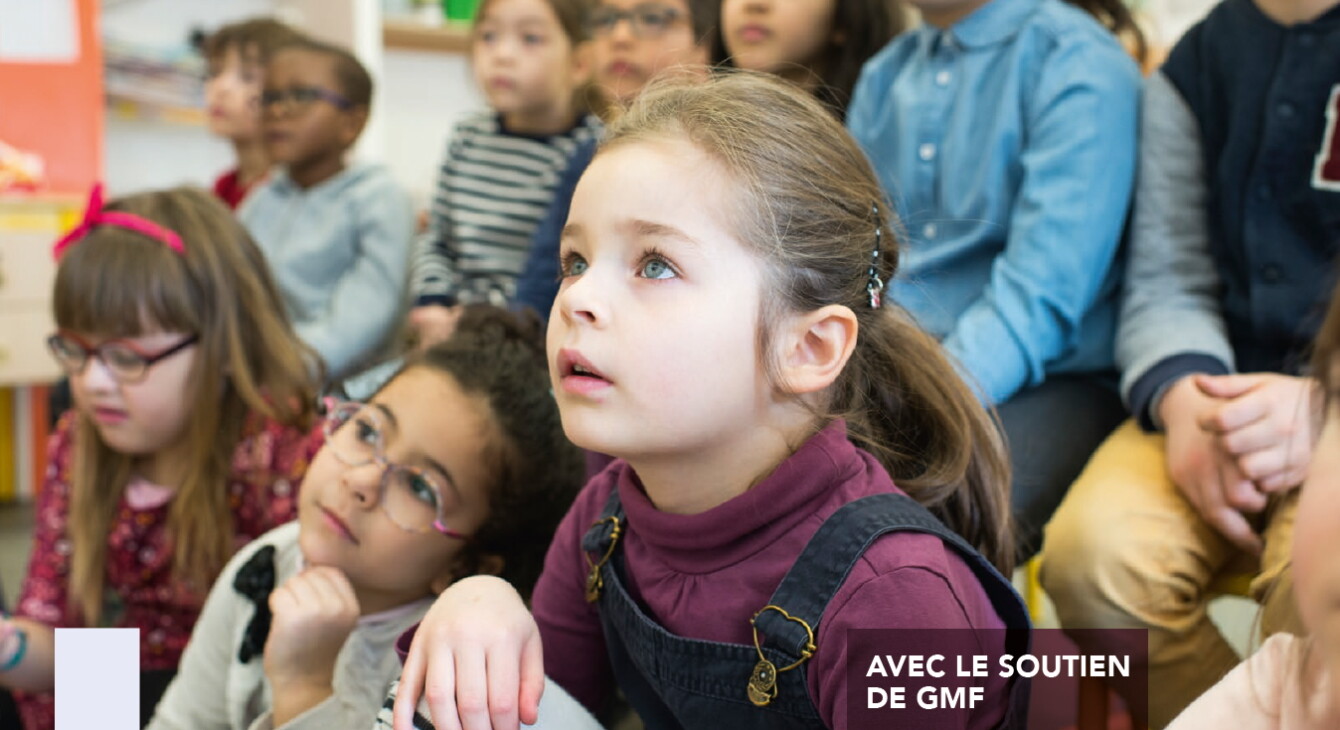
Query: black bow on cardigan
[(256, 581)]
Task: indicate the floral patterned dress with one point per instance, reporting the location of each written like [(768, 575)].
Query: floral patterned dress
[(268, 467)]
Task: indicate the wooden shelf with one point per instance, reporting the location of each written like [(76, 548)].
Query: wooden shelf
[(406, 35), (126, 107)]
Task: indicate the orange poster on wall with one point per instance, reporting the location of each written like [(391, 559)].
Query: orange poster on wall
[(53, 108)]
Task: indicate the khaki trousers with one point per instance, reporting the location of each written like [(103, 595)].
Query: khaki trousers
[(1126, 550)]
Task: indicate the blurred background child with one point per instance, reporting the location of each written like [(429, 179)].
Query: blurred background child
[(457, 466), (189, 436), (631, 41), (818, 44), (337, 235), (1293, 682), (236, 56), (1014, 212), (1230, 265), (502, 164)]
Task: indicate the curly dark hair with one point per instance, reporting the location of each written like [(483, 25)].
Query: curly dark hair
[(500, 356)]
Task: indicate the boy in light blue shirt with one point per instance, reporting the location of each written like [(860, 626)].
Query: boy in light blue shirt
[(1004, 132), (336, 235)]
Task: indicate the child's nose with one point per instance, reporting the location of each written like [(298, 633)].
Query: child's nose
[(622, 32), (95, 376), (581, 300), (364, 483)]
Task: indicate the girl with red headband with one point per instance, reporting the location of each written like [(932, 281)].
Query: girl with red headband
[(192, 426)]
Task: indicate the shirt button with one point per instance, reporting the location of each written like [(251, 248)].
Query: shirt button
[(1263, 191), (1285, 110), (1271, 274), (928, 230), (1306, 40), (942, 78), (926, 152)]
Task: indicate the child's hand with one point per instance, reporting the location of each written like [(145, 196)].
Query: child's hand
[(1203, 471), (314, 613), (433, 324), (477, 658), (1267, 422)]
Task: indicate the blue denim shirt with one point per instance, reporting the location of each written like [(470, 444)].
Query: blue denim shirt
[(1007, 144)]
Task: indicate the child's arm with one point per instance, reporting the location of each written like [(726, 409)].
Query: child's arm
[(314, 613), (477, 657), (27, 648), (367, 299), (1065, 225), (44, 602), (1171, 324)]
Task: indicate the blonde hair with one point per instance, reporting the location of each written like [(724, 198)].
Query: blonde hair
[(812, 209), (117, 283)]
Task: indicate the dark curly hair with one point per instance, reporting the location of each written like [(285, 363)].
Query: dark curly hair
[(537, 472)]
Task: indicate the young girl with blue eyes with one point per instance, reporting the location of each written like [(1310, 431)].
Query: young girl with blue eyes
[(778, 425), (457, 466)]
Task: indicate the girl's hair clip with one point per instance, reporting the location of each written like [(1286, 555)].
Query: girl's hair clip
[(874, 288), (95, 216)]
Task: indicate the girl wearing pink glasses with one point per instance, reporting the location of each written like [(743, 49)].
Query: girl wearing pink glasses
[(458, 466)]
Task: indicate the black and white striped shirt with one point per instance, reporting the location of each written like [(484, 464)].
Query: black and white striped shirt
[(493, 188)]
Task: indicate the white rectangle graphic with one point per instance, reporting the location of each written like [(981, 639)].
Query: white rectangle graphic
[(97, 679)]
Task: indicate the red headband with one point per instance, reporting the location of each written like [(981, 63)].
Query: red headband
[(95, 216)]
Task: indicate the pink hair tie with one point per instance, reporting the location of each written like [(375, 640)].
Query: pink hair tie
[(95, 216)]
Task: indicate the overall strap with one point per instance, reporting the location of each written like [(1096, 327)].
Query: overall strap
[(599, 536), (823, 566)]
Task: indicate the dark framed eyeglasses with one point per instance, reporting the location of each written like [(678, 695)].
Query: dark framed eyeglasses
[(413, 498), (126, 361), (297, 98), (648, 20)]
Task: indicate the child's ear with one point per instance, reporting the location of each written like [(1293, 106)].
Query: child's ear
[(815, 347), (354, 121), (484, 565)]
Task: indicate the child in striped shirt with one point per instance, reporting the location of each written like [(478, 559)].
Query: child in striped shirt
[(502, 164)]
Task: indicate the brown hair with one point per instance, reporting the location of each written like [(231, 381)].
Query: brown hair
[(538, 472), (354, 80), (865, 27), (1116, 16), (256, 40), (117, 283), (571, 16), (811, 206)]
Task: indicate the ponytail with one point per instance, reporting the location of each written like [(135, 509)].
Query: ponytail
[(904, 404)]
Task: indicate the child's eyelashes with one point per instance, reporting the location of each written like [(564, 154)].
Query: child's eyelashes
[(655, 266), (367, 433), (571, 264), (652, 265)]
